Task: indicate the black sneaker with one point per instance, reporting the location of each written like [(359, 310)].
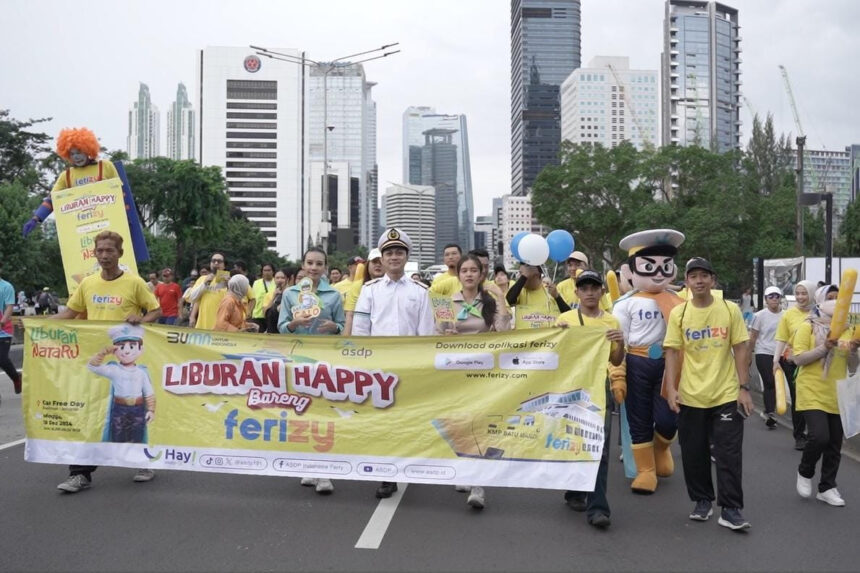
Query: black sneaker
[(386, 489), (600, 521), (770, 423), (800, 444), (702, 511), (731, 517), (576, 500)]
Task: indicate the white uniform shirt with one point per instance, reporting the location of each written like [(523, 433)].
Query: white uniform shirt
[(128, 381), (387, 307), (641, 320), (765, 323)]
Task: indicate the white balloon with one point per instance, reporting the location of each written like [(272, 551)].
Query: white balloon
[(533, 249)]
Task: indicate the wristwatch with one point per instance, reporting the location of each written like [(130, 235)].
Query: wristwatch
[(745, 387)]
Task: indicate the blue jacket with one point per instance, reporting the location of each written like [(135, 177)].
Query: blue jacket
[(331, 303)]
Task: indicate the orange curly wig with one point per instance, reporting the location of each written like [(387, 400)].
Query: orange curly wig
[(80, 138)]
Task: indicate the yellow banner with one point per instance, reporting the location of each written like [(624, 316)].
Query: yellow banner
[(82, 213), (520, 408)]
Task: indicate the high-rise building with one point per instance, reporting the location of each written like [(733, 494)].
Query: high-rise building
[(854, 155), (607, 103), (412, 208), (143, 127), (701, 75), (252, 126), (436, 152), (545, 49), (516, 218), (181, 127), (340, 98), (829, 172), (484, 235)]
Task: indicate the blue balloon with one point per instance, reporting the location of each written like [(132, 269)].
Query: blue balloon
[(560, 245), (515, 243)]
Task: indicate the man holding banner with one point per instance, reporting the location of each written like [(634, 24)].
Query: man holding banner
[(393, 305), (110, 295)]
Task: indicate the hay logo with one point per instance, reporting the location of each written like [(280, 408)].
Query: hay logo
[(171, 456), (349, 349), (151, 457), (196, 338), (252, 64)]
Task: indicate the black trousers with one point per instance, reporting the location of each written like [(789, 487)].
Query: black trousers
[(85, 470), (798, 422), (823, 440), (5, 362), (764, 365), (723, 427)]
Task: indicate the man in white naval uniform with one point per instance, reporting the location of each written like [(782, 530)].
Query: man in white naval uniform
[(393, 305)]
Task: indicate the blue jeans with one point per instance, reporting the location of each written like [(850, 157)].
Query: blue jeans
[(167, 320), (647, 410)]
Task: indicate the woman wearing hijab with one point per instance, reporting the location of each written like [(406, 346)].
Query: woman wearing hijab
[(791, 319), (821, 363), (231, 311)]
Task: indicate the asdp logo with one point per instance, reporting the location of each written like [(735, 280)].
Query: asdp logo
[(348, 348)]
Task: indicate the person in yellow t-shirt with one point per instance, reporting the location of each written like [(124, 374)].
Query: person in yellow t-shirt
[(448, 283), (374, 271), (713, 398), (261, 288), (535, 307), (822, 362), (344, 285), (112, 294), (589, 290), (791, 319), (208, 292)]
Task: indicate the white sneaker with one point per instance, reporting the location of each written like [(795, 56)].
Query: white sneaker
[(804, 486), (831, 497), (324, 486), (462, 488), (74, 484), (476, 497), (309, 481), (144, 475)]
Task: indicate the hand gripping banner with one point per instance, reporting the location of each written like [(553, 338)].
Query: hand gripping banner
[(520, 408)]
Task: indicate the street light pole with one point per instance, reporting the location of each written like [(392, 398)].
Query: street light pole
[(327, 68), (814, 199)]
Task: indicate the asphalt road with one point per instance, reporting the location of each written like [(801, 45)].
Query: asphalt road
[(185, 521)]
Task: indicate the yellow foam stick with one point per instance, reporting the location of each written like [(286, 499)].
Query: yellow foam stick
[(355, 288), (843, 304), (779, 383), (612, 285)]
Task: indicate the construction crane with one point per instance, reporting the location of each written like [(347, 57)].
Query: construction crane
[(813, 172), (643, 135)]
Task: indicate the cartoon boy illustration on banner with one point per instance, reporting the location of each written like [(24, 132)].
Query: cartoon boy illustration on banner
[(132, 404), (643, 314)]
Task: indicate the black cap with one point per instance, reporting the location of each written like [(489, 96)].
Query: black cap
[(589, 277), (699, 263), (354, 261)]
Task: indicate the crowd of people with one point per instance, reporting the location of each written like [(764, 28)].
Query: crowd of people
[(383, 301)]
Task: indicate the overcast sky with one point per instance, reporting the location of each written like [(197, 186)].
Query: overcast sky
[(80, 62)]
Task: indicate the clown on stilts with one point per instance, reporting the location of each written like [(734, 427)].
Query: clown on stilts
[(643, 314)]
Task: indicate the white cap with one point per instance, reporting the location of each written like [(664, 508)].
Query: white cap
[(394, 237), (772, 290), (374, 254)]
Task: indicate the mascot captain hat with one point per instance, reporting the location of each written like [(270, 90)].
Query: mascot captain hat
[(661, 242)]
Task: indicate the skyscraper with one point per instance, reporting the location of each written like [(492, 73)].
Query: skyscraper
[(349, 111), (436, 153), (412, 208), (252, 126), (607, 103), (181, 127), (545, 49), (143, 127), (701, 75)]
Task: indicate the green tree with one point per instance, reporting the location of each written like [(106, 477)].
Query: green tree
[(23, 151), (848, 244)]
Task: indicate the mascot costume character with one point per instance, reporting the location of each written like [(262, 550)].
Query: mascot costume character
[(80, 148), (643, 313)]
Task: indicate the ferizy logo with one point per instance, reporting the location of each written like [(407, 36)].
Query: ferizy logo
[(198, 338), (707, 332)]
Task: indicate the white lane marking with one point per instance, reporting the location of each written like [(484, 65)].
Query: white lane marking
[(13, 444), (374, 531)]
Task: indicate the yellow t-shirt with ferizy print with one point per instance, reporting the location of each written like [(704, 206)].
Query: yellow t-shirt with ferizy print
[(705, 336), (112, 300)]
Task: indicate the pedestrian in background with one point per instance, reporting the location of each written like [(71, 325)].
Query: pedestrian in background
[(168, 293), (7, 303), (763, 343)]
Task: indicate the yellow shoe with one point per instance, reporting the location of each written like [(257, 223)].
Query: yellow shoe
[(663, 456), (646, 478)]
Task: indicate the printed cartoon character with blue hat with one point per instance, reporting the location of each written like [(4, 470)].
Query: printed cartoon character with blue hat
[(643, 313), (132, 397)]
